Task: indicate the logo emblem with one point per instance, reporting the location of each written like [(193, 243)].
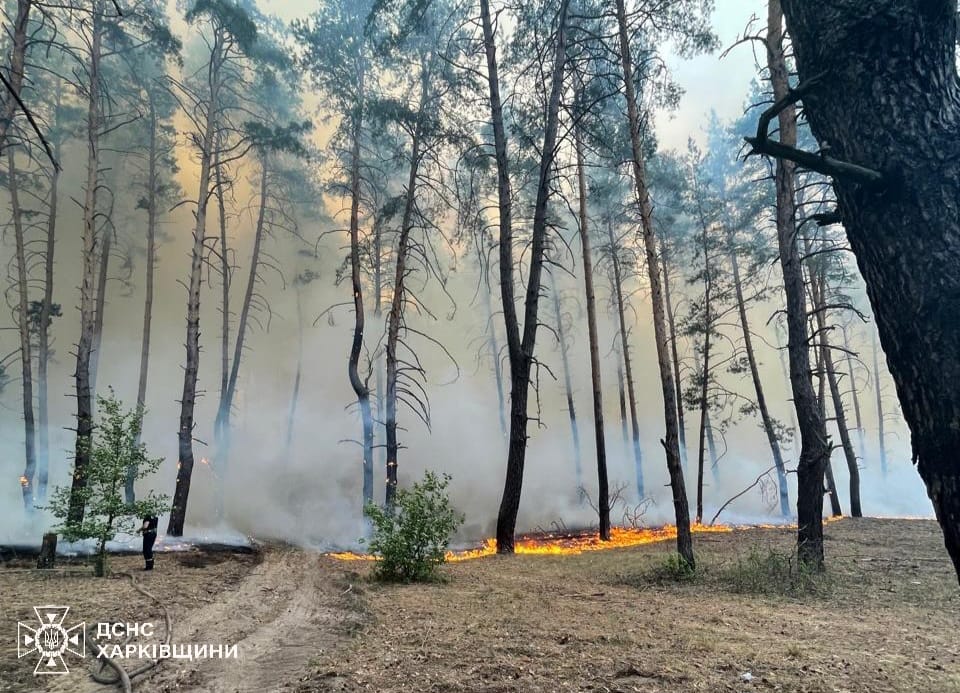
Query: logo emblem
[(51, 640)]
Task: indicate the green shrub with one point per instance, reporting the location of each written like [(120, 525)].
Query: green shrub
[(674, 568), (412, 537)]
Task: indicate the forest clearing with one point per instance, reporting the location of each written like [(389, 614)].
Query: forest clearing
[(495, 345), (884, 618)]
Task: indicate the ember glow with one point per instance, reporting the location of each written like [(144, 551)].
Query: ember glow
[(549, 544), (24, 481)]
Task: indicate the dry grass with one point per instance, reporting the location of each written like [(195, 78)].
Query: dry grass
[(884, 618)]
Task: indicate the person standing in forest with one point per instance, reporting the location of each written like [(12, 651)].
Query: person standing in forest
[(149, 532)]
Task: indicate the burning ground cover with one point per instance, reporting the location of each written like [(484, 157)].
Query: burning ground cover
[(884, 619)]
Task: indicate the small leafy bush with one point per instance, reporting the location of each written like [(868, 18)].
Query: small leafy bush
[(412, 537)]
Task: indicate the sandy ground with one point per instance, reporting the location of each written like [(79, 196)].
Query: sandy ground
[(885, 619)]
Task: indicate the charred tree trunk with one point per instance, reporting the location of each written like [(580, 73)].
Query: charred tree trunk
[(814, 446), (625, 352), (603, 496), (881, 436), (360, 387), (672, 443), (18, 55), (23, 326), (88, 260), (153, 184), (188, 400), (568, 388), (674, 352), (765, 417), (395, 318), (520, 349)]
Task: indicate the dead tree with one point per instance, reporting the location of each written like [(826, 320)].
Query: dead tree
[(881, 437)]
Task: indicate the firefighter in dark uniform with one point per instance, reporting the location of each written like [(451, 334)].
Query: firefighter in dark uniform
[(149, 532)]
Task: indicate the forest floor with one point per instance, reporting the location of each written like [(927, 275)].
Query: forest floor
[(883, 618)]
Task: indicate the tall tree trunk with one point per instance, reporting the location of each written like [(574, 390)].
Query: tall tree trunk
[(855, 396), (23, 326), (818, 286), (814, 446), (395, 318), (18, 55), (153, 184), (603, 495), (712, 449), (705, 371), (221, 423), (674, 352), (359, 385), (672, 443), (188, 400), (46, 315), (881, 436), (831, 483), (100, 304), (568, 388), (244, 321), (521, 349), (625, 352), (89, 259), (901, 70), (765, 417), (379, 360)]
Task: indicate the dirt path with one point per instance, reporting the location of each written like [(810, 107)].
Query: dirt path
[(287, 612)]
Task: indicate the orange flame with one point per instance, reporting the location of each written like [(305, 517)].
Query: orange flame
[(565, 545), (24, 481)]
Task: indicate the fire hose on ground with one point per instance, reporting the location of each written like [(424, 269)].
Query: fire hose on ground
[(120, 676)]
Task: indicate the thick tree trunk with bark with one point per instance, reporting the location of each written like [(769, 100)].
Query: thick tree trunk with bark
[(568, 388), (889, 101), (88, 260), (521, 348), (23, 326), (814, 446), (625, 353), (762, 407), (603, 496), (672, 443), (190, 372)]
